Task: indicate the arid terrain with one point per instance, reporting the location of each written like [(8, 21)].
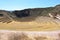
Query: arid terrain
[(36, 19), (30, 24), (29, 35), (40, 24)]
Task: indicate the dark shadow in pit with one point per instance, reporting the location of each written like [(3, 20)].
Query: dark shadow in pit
[(25, 19), (26, 15)]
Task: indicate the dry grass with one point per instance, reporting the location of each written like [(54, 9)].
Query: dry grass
[(41, 24)]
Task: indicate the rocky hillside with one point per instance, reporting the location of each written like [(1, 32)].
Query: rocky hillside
[(35, 19), (28, 15)]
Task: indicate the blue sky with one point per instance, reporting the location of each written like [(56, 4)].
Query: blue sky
[(22, 4)]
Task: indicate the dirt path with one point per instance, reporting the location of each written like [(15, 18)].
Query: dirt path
[(50, 35)]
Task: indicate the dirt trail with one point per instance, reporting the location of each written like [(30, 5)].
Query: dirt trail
[(46, 35)]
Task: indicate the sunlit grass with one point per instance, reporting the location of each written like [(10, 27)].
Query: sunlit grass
[(31, 26)]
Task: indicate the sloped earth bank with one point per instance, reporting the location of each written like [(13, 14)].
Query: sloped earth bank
[(40, 24), (29, 35)]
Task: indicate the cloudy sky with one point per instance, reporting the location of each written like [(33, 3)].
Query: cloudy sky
[(23, 4)]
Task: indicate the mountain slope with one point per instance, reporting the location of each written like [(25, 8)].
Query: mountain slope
[(36, 19), (45, 24)]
